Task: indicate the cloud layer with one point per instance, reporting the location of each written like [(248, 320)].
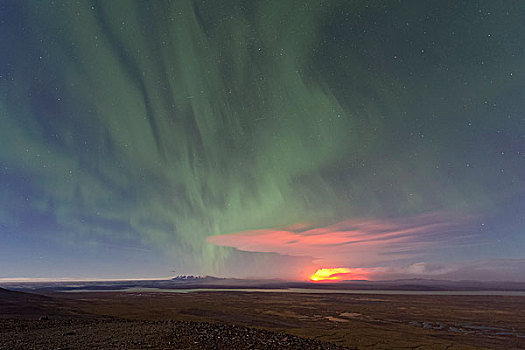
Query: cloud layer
[(357, 243)]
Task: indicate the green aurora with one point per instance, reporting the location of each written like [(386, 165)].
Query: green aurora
[(165, 122)]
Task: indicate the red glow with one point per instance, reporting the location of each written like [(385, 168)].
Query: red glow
[(356, 242)]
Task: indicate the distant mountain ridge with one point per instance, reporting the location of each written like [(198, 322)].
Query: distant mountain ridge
[(195, 278), (211, 282)]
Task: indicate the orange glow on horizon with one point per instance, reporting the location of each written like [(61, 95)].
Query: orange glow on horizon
[(336, 274)]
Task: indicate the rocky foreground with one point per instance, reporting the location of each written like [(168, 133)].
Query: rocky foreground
[(123, 334)]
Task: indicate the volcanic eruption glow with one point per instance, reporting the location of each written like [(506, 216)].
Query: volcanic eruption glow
[(332, 274)]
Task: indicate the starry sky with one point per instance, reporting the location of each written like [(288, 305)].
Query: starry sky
[(144, 139)]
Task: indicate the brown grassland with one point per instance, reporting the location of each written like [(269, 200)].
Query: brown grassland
[(364, 321)]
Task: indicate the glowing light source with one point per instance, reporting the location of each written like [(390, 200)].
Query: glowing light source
[(333, 274)]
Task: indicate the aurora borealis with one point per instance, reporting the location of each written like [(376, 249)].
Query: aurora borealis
[(141, 137)]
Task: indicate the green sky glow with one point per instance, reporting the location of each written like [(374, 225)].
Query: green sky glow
[(167, 122)]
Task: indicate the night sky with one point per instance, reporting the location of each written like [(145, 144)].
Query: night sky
[(144, 139)]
